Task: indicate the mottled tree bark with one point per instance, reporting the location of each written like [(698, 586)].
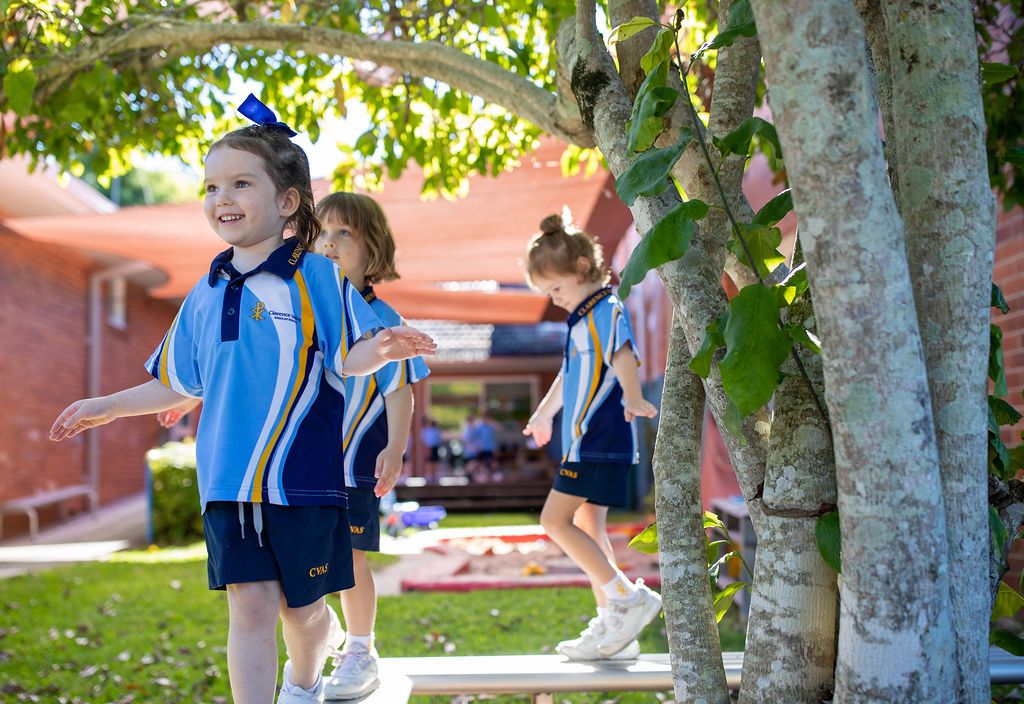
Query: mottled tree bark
[(694, 646), (949, 214), (791, 637), (895, 640)]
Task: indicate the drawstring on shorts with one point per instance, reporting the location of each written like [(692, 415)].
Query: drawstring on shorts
[(257, 520)]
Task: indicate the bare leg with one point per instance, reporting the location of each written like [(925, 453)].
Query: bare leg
[(359, 604), (305, 634), (252, 641), (593, 520), (557, 519)]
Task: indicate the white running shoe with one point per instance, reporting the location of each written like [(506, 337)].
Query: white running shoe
[(294, 694), (355, 674), (585, 647), (626, 618)]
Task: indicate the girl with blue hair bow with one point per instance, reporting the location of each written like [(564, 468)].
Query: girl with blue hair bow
[(263, 340)]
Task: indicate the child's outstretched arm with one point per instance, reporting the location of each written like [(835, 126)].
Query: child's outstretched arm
[(141, 400), (398, 406), (388, 345), (634, 403), (539, 425)]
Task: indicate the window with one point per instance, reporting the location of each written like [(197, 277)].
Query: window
[(117, 303)]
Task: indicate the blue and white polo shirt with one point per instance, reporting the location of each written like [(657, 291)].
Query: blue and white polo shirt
[(265, 350), (593, 426), (366, 421)]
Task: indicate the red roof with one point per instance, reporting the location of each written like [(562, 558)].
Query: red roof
[(480, 237)]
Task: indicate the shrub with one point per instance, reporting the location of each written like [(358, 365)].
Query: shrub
[(175, 510)]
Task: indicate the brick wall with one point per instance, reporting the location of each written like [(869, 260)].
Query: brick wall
[(43, 368)]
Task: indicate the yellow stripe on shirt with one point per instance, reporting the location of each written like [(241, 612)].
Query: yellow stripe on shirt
[(300, 376), (595, 375), (165, 378)]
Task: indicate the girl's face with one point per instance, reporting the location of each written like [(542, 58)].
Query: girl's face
[(345, 247), (566, 291), (242, 204)]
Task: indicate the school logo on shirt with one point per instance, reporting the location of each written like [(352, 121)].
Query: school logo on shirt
[(357, 530), (569, 473), (318, 571), (258, 310)]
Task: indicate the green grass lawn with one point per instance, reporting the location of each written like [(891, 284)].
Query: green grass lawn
[(147, 630)]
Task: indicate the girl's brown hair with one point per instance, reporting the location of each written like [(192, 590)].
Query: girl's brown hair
[(365, 217), (557, 251), (287, 166)]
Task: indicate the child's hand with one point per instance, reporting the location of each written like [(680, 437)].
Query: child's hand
[(638, 408), (403, 342), (389, 466), (540, 429), (82, 415), (170, 418)]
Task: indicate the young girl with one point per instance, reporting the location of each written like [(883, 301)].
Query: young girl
[(263, 340), (378, 412), (598, 389)]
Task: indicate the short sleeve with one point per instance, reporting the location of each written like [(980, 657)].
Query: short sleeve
[(394, 375), (175, 362), (343, 319), (620, 333)]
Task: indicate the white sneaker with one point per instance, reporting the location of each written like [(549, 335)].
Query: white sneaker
[(294, 694), (585, 647), (626, 618), (355, 674)]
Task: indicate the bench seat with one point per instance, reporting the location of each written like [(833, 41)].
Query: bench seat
[(29, 504)]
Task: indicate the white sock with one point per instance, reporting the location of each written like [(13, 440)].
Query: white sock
[(619, 588), (364, 642), (312, 690)]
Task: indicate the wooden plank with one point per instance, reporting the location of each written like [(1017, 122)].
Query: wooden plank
[(47, 497)]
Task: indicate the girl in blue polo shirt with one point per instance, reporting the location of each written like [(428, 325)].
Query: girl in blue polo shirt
[(598, 392), (264, 340), (375, 431)]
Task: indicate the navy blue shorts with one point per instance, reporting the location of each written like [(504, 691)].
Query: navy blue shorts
[(601, 484), (364, 519), (305, 548)]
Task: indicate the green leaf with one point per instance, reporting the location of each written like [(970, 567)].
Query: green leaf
[(629, 29), (713, 341), (661, 50), (724, 598), (763, 242), (1003, 412), (797, 278), (998, 530), (667, 241), (829, 539), (993, 73), (996, 369), (19, 85), (1008, 602), (711, 520), (741, 24), (775, 209), (1015, 156), (755, 348), (646, 541), (653, 101), (797, 333), (1007, 641), (738, 141), (733, 420), (648, 174), (998, 301), (711, 549)]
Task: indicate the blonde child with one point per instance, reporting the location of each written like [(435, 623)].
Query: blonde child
[(263, 340), (378, 413), (598, 391)]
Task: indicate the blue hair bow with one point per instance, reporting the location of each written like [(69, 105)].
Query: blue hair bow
[(262, 115)]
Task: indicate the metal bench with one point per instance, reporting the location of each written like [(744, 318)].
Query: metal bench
[(29, 504), (542, 675)]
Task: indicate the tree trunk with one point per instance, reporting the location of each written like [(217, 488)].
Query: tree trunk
[(895, 639), (791, 636), (949, 213), (694, 647)]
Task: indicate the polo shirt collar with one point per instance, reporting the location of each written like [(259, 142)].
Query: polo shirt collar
[(368, 294), (588, 304), (282, 262)]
